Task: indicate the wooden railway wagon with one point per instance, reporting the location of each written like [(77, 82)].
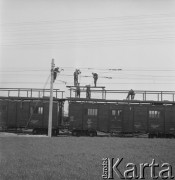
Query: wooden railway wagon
[(18, 113), (122, 117)]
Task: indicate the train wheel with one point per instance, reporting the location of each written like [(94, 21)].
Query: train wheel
[(58, 132), (74, 133), (91, 134), (150, 136), (54, 132), (35, 131)]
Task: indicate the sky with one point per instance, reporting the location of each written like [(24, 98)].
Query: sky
[(100, 36)]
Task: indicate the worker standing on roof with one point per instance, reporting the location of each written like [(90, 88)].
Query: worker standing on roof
[(95, 76), (88, 92), (76, 73), (130, 93), (78, 90)]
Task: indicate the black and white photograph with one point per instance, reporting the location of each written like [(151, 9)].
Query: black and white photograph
[(87, 89)]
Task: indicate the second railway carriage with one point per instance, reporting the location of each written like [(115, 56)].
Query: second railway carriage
[(123, 117)]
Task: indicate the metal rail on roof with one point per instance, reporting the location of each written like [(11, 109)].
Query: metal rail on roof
[(29, 92), (83, 89), (141, 95), (160, 94), (74, 87), (121, 101)]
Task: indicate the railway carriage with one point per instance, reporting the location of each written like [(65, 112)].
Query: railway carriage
[(87, 116), (29, 112), (123, 117)]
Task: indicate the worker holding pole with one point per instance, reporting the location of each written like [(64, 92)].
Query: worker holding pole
[(56, 71)]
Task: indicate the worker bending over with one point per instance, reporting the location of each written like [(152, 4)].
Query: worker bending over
[(130, 93)]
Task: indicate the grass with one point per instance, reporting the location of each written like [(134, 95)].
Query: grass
[(76, 158)]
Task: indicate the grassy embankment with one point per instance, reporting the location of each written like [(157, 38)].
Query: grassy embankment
[(76, 158)]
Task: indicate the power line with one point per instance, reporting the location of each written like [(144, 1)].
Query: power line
[(25, 82), (113, 70), (86, 40), (93, 19), (94, 28), (90, 42)]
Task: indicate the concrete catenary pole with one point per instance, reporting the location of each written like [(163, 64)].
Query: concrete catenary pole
[(51, 100)]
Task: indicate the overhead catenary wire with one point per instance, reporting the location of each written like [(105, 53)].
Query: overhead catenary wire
[(125, 76), (89, 43), (129, 82), (120, 75), (105, 34), (111, 76), (85, 20), (87, 69)]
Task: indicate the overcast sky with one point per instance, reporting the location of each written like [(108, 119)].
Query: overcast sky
[(137, 36)]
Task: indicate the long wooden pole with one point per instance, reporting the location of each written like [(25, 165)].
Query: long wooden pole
[(51, 100)]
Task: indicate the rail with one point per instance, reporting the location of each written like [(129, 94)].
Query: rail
[(145, 95), (30, 92), (142, 95)]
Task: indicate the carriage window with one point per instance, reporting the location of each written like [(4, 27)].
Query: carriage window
[(113, 112), (119, 112), (92, 112), (154, 114), (116, 112), (40, 110), (21, 105), (4, 108), (71, 118), (36, 110)]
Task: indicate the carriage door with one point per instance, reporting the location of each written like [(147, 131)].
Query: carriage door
[(156, 120), (90, 118), (116, 120)]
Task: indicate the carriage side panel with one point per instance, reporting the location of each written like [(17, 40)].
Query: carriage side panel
[(3, 114), (90, 116), (156, 116), (140, 119), (128, 119), (103, 118), (22, 113), (75, 115), (170, 120), (12, 114), (116, 118)]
